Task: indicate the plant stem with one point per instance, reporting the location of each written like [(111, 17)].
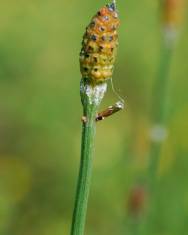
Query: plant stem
[(159, 109), (159, 112), (84, 179), (160, 90), (91, 98)]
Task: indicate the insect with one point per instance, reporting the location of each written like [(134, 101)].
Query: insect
[(99, 45), (110, 110)]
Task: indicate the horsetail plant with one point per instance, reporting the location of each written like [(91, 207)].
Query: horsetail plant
[(97, 59), (172, 14)]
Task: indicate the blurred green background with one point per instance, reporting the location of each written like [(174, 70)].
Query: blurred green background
[(40, 126)]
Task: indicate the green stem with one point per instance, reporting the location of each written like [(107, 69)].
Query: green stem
[(160, 90), (159, 111), (91, 98), (84, 179)]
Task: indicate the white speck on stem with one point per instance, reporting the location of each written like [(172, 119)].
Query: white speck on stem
[(158, 133), (170, 35)]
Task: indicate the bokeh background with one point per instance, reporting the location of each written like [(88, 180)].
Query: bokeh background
[(40, 125)]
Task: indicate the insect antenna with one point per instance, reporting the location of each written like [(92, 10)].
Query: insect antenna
[(116, 93)]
